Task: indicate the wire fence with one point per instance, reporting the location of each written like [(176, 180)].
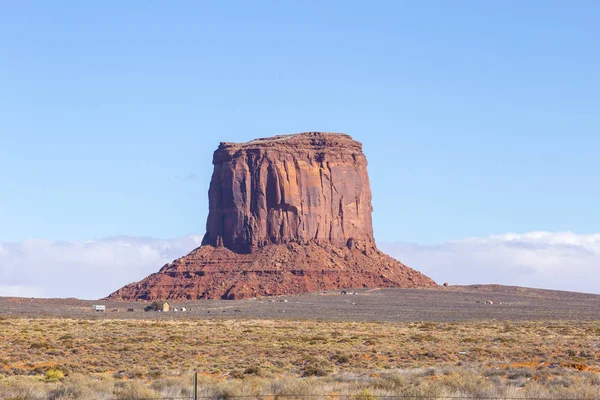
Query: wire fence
[(362, 395)]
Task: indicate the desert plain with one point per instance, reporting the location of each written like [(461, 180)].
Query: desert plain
[(481, 341)]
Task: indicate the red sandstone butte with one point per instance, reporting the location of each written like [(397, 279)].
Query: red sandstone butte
[(288, 214)]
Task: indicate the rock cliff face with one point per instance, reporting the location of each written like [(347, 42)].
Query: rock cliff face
[(287, 214), (298, 188)]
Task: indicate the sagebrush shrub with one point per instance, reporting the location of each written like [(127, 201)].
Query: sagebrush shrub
[(53, 375)]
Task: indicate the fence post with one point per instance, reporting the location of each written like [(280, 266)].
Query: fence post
[(195, 385)]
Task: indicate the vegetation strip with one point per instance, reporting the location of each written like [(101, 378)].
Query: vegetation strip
[(81, 358)]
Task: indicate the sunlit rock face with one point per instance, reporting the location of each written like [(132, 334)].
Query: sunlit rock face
[(288, 214), (309, 186)]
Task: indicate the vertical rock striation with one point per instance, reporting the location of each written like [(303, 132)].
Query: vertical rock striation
[(298, 188), (287, 214)]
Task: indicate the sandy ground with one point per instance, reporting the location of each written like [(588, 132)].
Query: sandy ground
[(454, 303)]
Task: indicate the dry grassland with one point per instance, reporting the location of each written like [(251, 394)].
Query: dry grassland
[(134, 359)]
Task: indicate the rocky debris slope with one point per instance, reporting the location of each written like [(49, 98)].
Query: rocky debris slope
[(287, 214), (217, 272)]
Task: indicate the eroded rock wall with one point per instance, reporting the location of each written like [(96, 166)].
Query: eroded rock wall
[(305, 187), (288, 214)]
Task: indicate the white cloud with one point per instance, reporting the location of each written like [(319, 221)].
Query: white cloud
[(20, 291), (563, 261), (93, 269), (87, 270)]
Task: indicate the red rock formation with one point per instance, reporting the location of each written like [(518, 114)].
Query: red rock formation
[(288, 214), (299, 188)]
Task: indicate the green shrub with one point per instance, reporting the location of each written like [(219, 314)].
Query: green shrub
[(313, 370), (53, 375), (156, 305), (154, 374), (39, 345), (235, 374), (253, 371), (340, 358), (364, 394)]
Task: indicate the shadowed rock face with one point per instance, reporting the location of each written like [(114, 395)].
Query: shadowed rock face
[(311, 186), (288, 214)]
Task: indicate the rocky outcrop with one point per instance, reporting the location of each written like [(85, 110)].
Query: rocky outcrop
[(298, 188), (219, 273), (288, 214)]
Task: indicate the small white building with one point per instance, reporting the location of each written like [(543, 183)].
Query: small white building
[(100, 308)]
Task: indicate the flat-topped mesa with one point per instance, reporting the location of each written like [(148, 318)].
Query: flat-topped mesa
[(289, 214), (290, 188)]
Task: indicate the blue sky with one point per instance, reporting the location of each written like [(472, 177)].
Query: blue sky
[(477, 117)]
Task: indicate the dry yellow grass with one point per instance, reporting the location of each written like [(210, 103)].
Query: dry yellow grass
[(112, 355)]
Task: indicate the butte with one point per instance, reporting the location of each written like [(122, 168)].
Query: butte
[(288, 214)]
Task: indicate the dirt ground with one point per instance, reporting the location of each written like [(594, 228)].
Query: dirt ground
[(454, 303), (409, 343)]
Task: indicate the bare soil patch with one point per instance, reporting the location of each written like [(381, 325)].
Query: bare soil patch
[(454, 303)]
